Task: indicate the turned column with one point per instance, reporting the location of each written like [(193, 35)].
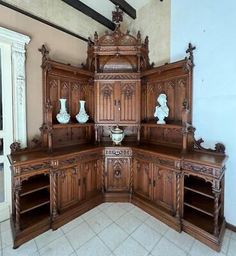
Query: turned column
[(17, 204), (53, 183), (217, 192)]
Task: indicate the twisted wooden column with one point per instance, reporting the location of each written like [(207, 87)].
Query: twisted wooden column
[(103, 175), (54, 194), (178, 187), (17, 204), (131, 181), (216, 212)]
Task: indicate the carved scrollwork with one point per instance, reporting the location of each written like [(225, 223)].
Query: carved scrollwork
[(219, 147)]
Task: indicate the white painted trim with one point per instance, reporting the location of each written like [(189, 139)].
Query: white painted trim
[(17, 43), (12, 46)]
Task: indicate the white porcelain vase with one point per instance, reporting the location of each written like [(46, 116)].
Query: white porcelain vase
[(82, 117), (63, 117)]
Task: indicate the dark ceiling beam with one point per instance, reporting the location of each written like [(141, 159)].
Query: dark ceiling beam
[(43, 20), (125, 7), (78, 5)]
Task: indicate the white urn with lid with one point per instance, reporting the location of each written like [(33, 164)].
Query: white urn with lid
[(117, 135)]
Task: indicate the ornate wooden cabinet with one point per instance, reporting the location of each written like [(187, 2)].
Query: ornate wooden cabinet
[(159, 167)]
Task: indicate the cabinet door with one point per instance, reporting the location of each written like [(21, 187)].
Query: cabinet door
[(164, 187), (142, 178), (117, 174), (129, 102), (68, 187), (90, 179), (106, 102)]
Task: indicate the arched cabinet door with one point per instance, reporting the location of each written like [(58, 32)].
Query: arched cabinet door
[(164, 187), (90, 179), (142, 178), (106, 111), (68, 187)]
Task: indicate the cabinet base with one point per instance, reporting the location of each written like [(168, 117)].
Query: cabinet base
[(76, 211), (117, 197), (162, 214), (28, 233), (203, 236)]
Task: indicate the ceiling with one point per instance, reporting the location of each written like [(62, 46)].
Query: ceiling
[(105, 7)]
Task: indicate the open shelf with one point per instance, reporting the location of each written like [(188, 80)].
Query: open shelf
[(35, 216), (199, 202), (199, 219), (34, 200), (170, 125), (35, 184), (71, 125), (199, 186)]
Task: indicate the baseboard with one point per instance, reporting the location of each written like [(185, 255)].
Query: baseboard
[(230, 227)]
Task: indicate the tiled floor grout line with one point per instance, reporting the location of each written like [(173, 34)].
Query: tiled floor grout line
[(179, 246), (104, 243), (74, 250), (194, 241)]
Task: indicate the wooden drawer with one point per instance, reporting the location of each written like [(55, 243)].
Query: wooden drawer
[(118, 151)]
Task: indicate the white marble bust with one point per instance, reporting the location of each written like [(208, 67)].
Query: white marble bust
[(161, 111)]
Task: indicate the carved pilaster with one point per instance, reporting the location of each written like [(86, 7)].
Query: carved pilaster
[(19, 92)]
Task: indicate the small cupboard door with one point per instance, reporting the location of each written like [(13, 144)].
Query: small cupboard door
[(142, 178), (68, 187), (117, 176), (118, 102), (164, 187), (106, 102), (129, 102)]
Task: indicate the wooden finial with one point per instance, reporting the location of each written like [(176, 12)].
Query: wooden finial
[(117, 15), (190, 50), (45, 52)]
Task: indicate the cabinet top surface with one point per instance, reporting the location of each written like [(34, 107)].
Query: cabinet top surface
[(174, 153)]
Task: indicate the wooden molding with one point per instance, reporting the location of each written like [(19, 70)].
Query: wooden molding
[(231, 227), (78, 5), (125, 7)]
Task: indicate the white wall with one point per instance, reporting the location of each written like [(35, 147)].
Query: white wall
[(210, 26), (153, 20)]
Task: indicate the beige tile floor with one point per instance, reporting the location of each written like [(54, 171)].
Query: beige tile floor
[(113, 229)]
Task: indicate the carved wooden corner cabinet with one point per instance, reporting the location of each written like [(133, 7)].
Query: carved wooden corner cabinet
[(158, 167)]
